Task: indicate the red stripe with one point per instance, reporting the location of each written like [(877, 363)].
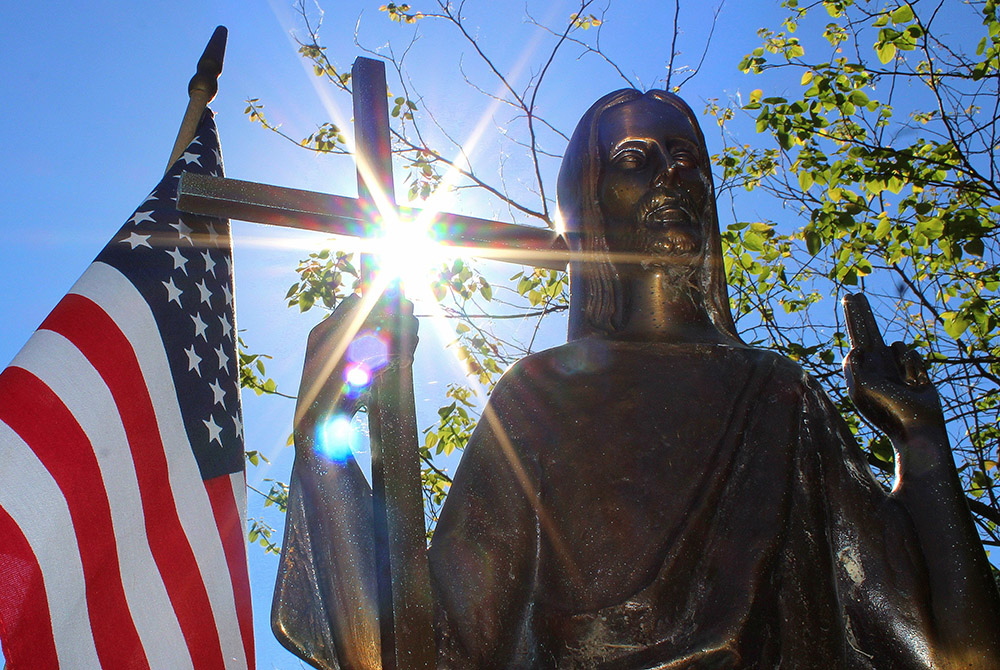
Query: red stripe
[(228, 517), (37, 415), (25, 626), (97, 336)]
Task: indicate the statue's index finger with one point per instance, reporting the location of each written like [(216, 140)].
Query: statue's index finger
[(862, 330)]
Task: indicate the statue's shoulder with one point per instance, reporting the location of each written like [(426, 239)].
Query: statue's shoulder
[(788, 377)]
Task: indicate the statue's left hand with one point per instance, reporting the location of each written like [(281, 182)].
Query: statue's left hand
[(888, 384)]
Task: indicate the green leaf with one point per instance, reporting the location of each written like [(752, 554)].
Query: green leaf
[(954, 324), (886, 52), (903, 14), (975, 247), (753, 241), (883, 228), (813, 242)]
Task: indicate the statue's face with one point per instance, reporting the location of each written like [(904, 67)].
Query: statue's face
[(651, 191)]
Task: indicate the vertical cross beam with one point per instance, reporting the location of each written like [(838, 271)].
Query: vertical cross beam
[(405, 608)]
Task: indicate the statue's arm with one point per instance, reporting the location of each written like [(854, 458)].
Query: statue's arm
[(483, 556), (325, 597), (891, 388)]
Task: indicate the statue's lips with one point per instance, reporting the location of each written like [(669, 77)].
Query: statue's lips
[(666, 215)]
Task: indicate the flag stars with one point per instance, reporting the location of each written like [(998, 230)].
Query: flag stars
[(141, 217), (220, 395), (189, 158), (223, 358), (204, 292), (179, 260), (228, 294), (183, 230), (135, 240), (199, 327), (194, 360), (173, 293), (213, 430), (227, 328), (238, 425), (207, 255)]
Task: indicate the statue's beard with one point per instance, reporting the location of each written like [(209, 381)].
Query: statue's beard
[(665, 231)]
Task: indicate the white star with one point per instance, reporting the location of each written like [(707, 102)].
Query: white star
[(179, 260), (205, 292), (196, 140), (219, 394), (209, 263), (141, 217), (223, 359), (152, 196), (229, 294), (226, 328), (193, 360), (239, 426), (213, 234), (199, 327), (229, 265), (218, 156), (213, 430), (189, 158), (136, 240), (173, 293), (183, 230)]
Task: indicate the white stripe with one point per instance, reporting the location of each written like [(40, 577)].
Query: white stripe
[(239, 481), (60, 365), (33, 499), (118, 298)]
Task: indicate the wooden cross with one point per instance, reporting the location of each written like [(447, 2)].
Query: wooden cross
[(405, 608)]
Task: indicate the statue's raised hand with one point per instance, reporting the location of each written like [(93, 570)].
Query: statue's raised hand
[(358, 342), (888, 384)]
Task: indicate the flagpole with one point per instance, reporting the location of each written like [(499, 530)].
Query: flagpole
[(201, 89)]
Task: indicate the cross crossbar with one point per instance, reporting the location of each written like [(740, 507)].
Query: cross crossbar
[(344, 216)]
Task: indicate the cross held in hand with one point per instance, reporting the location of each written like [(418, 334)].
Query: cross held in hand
[(405, 609)]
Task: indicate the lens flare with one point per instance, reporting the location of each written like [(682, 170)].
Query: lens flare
[(407, 251), (337, 439), (369, 350), (357, 376)]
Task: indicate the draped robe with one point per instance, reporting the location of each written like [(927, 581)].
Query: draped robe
[(629, 506), (640, 505)]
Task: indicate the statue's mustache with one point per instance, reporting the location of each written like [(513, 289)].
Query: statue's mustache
[(665, 199)]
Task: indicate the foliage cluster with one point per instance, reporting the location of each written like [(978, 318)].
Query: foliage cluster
[(885, 155)]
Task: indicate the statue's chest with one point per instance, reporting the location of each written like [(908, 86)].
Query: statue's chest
[(629, 454)]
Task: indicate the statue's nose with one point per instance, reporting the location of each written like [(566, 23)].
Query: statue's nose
[(666, 175)]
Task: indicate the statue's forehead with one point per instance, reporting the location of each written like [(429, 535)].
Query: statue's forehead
[(644, 119)]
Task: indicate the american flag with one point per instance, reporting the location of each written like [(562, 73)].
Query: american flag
[(122, 484)]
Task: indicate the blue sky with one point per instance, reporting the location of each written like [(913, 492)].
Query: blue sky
[(95, 92)]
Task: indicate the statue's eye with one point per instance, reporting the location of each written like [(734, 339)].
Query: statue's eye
[(629, 158), (684, 158)]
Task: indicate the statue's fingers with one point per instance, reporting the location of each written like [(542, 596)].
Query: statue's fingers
[(904, 363), (862, 330), (912, 365)]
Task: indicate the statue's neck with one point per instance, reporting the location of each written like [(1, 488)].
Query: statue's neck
[(663, 306)]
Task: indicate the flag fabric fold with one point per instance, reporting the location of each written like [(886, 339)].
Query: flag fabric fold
[(122, 484)]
